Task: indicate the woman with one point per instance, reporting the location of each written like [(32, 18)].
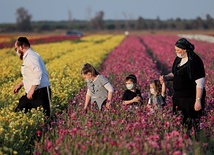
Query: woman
[(188, 76), (99, 88)]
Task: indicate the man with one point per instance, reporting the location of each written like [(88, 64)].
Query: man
[(35, 79)]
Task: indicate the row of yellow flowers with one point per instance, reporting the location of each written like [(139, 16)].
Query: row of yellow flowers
[(9, 64), (58, 58), (64, 61)]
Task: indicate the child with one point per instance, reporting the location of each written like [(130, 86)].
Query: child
[(157, 94), (132, 95), (99, 88)]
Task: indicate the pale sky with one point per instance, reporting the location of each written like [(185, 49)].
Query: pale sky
[(56, 10)]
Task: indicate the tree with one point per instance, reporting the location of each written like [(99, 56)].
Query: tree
[(179, 24), (197, 23), (127, 21), (140, 23), (209, 21), (97, 21), (23, 20)]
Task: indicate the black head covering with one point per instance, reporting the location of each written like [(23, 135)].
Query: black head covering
[(133, 77), (23, 40), (184, 44)]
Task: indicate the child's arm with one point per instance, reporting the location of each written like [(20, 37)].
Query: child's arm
[(163, 91), (127, 102), (108, 103), (135, 99), (87, 99), (163, 86), (110, 90)]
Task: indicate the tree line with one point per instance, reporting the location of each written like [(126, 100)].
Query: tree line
[(24, 23)]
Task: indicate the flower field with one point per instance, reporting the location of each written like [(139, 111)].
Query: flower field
[(8, 41), (63, 61), (115, 131)]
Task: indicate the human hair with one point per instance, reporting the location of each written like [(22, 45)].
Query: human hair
[(158, 85), (23, 41), (89, 68), (132, 78)]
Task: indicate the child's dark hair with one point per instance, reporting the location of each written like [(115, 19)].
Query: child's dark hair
[(157, 85), (132, 77), (89, 68)]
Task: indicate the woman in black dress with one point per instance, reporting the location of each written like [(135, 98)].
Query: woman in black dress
[(188, 76)]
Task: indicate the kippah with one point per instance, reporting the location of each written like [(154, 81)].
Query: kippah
[(23, 40)]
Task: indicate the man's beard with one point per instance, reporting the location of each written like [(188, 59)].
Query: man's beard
[(21, 56)]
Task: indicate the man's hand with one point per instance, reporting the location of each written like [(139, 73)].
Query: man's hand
[(30, 94), (17, 88), (197, 105)]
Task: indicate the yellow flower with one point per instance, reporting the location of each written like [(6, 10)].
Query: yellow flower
[(64, 61)]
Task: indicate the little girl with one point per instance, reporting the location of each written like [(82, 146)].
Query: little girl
[(132, 95), (99, 88), (157, 94)]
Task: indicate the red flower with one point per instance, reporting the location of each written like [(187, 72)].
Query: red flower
[(38, 133), (113, 143), (73, 116), (49, 144)]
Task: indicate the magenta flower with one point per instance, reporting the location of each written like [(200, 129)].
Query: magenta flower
[(119, 130)]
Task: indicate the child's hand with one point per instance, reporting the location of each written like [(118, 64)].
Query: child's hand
[(85, 108), (108, 104), (124, 103), (149, 106), (136, 99), (161, 78)]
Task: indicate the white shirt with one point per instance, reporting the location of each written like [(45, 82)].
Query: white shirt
[(33, 71)]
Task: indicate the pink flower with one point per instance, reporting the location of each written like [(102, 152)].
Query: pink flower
[(73, 116), (49, 144), (166, 124), (185, 136), (177, 153), (38, 133), (154, 144), (58, 141)]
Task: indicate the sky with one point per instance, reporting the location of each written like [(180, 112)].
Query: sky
[(57, 10)]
